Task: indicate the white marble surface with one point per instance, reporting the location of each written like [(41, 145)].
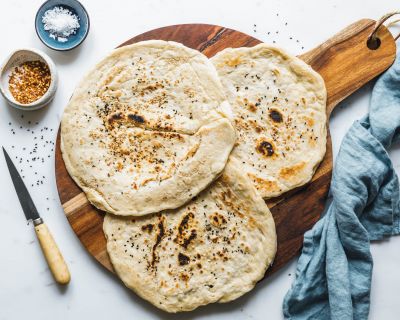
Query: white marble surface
[(26, 286)]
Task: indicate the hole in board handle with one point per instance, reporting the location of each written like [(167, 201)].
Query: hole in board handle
[(373, 43)]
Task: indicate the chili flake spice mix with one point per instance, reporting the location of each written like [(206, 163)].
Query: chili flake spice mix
[(29, 81)]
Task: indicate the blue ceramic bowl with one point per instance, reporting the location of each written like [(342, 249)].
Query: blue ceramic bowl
[(74, 40)]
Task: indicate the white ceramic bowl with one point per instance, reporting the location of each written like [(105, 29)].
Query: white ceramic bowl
[(14, 60)]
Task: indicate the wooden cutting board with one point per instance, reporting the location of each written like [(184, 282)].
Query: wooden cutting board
[(344, 61)]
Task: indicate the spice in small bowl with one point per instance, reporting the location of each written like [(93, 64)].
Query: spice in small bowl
[(62, 24), (28, 79)]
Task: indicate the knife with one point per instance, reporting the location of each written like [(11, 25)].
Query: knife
[(53, 256)]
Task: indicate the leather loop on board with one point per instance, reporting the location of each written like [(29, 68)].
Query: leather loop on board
[(391, 23), (372, 37)]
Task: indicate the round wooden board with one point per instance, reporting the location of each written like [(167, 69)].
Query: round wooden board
[(345, 63)]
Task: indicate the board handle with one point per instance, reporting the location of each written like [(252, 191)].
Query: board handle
[(52, 253), (347, 63)]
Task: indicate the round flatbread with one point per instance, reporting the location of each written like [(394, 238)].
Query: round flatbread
[(213, 249), (147, 129), (279, 106)]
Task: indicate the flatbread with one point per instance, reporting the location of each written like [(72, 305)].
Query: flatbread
[(279, 105), (147, 129), (213, 249)]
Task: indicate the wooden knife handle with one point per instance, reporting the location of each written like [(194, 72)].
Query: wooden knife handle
[(52, 253)]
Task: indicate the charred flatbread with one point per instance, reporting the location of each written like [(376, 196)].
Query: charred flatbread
[(147, 129), (279, 104), (213, 249)]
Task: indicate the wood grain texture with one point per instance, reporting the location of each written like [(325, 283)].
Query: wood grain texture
[(345, 63)]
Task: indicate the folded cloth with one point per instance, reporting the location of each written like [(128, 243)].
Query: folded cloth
[(333, 276)]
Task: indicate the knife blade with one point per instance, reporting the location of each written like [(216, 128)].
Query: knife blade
[(52, 253), (24, 197)]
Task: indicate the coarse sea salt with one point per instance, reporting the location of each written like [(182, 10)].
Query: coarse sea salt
[(60, 23)]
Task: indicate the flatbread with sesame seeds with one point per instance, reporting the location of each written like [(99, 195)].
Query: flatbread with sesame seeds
[(213, 249), (147, 129), (279, 104)]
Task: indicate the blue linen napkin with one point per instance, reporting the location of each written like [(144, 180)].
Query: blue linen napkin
[(333, 276)]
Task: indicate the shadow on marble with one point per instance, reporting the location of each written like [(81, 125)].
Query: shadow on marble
[(21, 118), (65, 57)]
